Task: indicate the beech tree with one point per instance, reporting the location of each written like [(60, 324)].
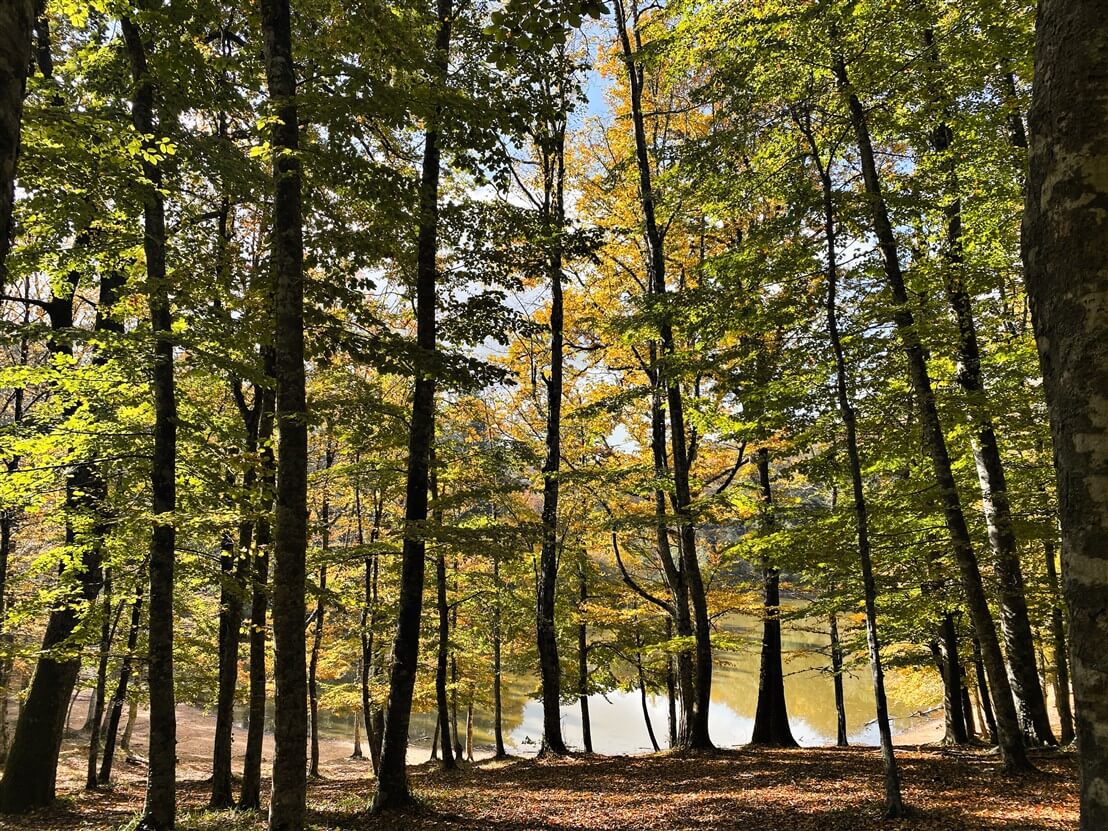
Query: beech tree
[(1067, 280)]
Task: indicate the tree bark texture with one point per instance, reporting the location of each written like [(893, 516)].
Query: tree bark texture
[(1066, 267), (286, 808)]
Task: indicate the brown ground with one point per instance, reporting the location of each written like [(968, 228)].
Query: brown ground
[(809, 789)]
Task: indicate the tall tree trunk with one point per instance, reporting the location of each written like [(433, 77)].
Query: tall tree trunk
[(1010, 735), (1066, 266), (697, 736), (549, 665), (120, 694), (583, 657), (159, 812), (16, 20), (392, 780), (286, 809), (771, 717), (837, 675), (1058, 637)]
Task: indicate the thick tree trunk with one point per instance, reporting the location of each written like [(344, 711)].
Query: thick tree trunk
[(31, 767), (837, 675), (771, 716), (120, 695), (1066, 262), (1058, 638), (286, 809), (392, 780), (16, 19), (1010, 735)]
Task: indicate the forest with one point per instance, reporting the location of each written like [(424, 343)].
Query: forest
[(554, 414)]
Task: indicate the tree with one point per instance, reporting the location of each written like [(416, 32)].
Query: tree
[(286, 811), (392, 779), (1066, 265)]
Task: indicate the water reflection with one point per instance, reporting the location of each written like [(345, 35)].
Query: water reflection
[(617, 718)]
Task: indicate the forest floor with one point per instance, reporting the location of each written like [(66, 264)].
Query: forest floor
[(806, 789)]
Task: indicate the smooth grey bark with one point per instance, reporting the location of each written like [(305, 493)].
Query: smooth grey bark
[(1066, 267), (1008, 728), (392, 780)]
